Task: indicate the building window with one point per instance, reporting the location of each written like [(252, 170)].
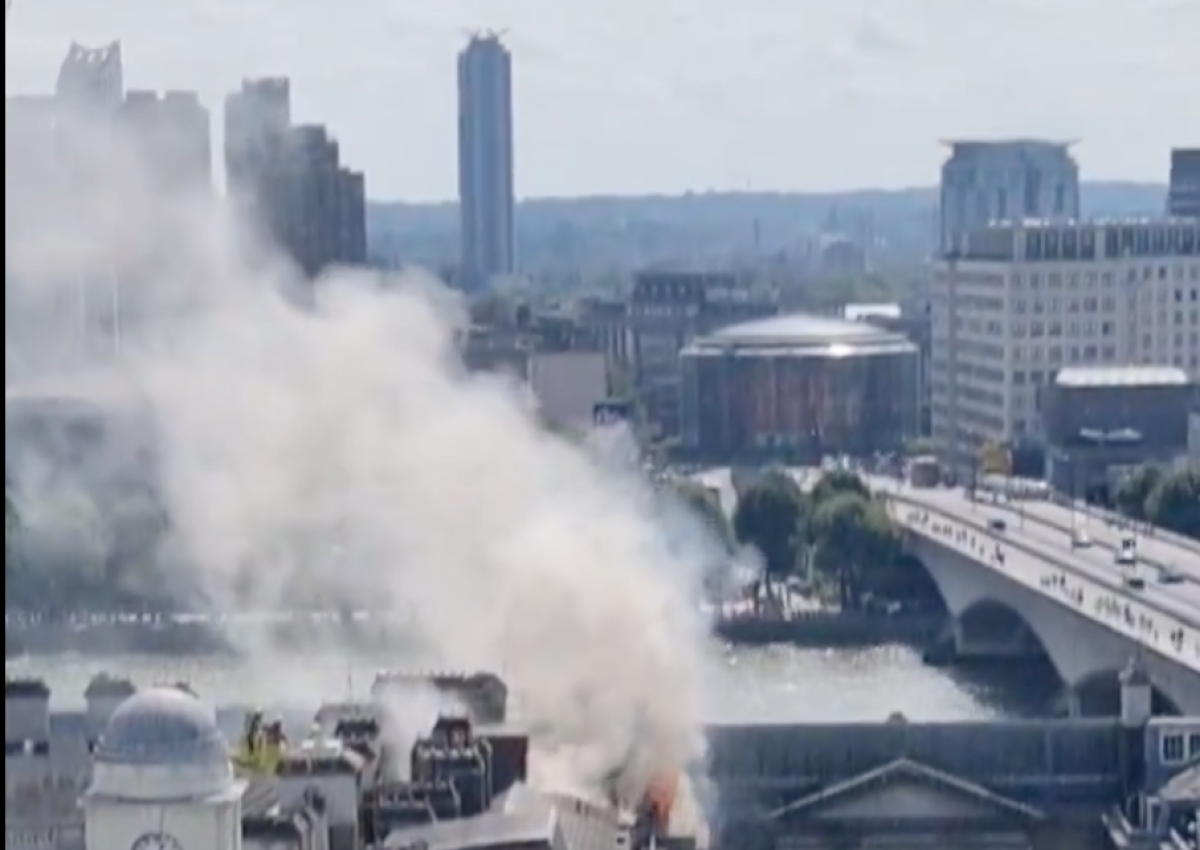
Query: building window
[(1172, 748), (1193, 745)]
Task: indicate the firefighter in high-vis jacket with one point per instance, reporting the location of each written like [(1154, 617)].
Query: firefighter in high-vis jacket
[(263, 744)]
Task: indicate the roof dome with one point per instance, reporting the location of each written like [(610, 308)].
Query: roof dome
[(802, 335), (163, 727)]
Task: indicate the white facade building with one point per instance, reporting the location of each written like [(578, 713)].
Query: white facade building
[(1018, 302), (151, 770), (162, 778)]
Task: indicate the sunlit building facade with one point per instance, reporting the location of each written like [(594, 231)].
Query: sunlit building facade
[(1018, 302), (800, 386)]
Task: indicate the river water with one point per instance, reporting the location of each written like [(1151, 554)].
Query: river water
[(741, 685)]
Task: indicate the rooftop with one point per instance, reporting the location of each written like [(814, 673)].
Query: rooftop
[(800, 328), (163, 726), (1184, 787), (861, 312), (520, 817), (1122, 376), (800, 334), (993, 144)]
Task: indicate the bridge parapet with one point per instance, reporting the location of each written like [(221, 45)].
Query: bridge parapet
[(1166, 630)]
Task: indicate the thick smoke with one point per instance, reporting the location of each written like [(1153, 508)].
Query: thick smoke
[(321, 443)]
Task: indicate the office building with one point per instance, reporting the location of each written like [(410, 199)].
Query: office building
[(257, 117), (912, 321), (801, 386), (319, 207), (1100, 422), (29, 162), (1184, 197), (987, 182), (291, 179), (485, 162), (666, 310), (174, 137), (91, 78), (1019, 302)]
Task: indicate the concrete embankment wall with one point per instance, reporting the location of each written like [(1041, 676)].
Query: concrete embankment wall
[(1043, 762), (183, 637), (110, 639), (831, 629), (151, 635)]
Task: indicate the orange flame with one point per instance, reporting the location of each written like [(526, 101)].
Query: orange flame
[(660, 800)]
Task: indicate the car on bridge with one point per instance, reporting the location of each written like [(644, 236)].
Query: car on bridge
[(1168, 574), (1133, 574), (1081, 540)]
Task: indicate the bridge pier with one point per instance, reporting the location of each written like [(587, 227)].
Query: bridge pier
[(1072, 703)]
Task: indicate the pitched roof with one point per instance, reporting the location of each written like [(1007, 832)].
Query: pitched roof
[(1183, 787), (906, 769)]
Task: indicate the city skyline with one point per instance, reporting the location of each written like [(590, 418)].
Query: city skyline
[(714, 97)]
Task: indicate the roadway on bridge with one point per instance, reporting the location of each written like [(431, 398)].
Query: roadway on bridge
[(1161, 551), (1155, 548), (1159, 616), (1095, 562), (1038, 553)]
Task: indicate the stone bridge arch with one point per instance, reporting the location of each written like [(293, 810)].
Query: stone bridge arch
[(1080, 650), (998, 625)]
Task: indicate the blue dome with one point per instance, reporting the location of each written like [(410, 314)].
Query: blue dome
[(163, 726)]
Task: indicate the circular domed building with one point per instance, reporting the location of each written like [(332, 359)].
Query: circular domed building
[(162, 778), (803, 385)]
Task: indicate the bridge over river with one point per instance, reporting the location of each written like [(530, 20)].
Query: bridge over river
[(1015, 558)]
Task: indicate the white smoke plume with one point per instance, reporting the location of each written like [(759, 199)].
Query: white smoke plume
[(321, 442)]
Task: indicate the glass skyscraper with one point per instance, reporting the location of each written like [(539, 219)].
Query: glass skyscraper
[(485, 162)]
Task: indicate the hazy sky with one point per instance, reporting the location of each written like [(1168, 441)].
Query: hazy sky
[(624, 96)]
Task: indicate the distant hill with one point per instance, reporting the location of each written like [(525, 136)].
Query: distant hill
[(705, 209), (594, 234)]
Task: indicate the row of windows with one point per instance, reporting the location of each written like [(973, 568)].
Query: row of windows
[(1107, 279), (1091, 328), (1177, 748), (1108, 303), (1056, 355), (1073, 244), (1109, 353), (1038, 329)]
